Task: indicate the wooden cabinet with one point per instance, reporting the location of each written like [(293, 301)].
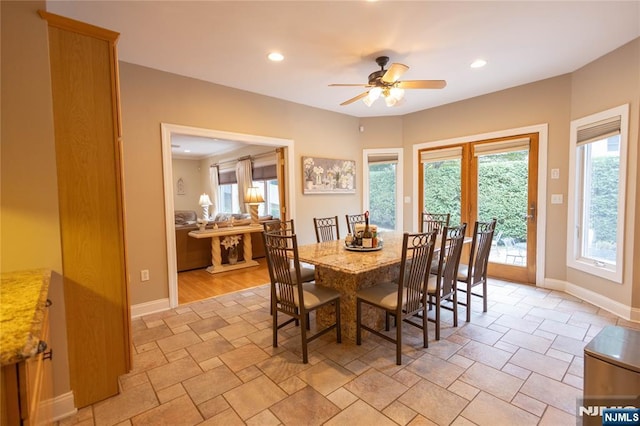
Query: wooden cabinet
[(26, 360), (25, 385), (86, 109)]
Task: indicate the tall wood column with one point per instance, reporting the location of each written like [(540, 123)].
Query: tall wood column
[(84, 75)]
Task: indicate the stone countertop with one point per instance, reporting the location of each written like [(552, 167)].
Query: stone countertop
[(23, 299), (334, 255)]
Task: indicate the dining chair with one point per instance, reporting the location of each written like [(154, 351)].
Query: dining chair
[(402, 299), (293, 297), (431, 221), (307, 272), (352, 219), (327, 228), (278, 225), (441, 287), (474, 272)]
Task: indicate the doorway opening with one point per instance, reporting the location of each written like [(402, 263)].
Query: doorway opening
[(168, 131)]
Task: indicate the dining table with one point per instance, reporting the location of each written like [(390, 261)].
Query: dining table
[(348, 271)]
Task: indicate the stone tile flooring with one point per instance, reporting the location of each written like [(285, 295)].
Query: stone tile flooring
[(211, 362)]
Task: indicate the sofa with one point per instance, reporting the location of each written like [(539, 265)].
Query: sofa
[(194, 253)]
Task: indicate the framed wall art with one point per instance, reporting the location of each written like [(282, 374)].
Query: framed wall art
[(328, 176)]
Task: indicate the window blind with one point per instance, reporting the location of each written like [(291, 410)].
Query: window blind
[(268, 172), (441, 154), (598, 131), (382, 158), (501, 147)]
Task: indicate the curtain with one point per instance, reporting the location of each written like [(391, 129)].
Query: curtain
[(213, 188), (245, 180)]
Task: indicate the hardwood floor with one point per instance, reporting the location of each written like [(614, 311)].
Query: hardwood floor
[(199, 284)]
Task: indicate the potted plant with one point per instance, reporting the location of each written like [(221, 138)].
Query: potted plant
[(230, 242)]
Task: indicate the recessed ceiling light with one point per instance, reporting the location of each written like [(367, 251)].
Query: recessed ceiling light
[(478, 63), (275, 56), (187, 150)]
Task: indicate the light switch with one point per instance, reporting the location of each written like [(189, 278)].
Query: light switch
[(556, 198), (555, 173), (407, 200)]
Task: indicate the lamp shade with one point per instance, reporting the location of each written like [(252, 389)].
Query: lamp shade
[(204, 200), (253, 196)]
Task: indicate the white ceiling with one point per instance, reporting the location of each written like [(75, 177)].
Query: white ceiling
[(226, 42)]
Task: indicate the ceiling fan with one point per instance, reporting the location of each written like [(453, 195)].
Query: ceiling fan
[(386, 83)]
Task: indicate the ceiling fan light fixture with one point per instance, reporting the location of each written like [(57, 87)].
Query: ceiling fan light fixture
[(390, 101), (372, 95), (397, 93), (375, 93)]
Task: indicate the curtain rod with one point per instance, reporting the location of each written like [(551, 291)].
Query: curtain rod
[(246, 157)]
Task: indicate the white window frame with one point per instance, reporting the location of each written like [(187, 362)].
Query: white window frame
[(366, 153), (574, 242)]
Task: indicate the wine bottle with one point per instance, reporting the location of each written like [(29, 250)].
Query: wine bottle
[(367, 235)]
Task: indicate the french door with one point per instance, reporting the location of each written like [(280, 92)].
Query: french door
[(487, 179)]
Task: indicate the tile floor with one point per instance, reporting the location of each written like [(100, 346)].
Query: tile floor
[(211, 362)]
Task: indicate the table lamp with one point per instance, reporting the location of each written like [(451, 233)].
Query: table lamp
[(205, 202), (253, 197)]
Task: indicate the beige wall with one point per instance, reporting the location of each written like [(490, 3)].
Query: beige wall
[(546, 101), (150, 97), (29, 231), (191, 174), (608, 82)]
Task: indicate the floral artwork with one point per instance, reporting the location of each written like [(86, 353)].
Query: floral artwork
[(328, 176)]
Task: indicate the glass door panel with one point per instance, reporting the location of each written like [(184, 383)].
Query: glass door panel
[(502, 193), (442, 188), (504, 176), (382, 194)]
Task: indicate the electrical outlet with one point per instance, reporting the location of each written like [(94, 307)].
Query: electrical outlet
[(555, 173), (144, 275)]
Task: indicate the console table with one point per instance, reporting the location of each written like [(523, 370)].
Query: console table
[(216, 258)]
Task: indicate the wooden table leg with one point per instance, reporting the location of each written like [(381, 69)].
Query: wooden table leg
[(216, 257)]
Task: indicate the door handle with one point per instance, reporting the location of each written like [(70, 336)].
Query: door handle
[(532, 213)]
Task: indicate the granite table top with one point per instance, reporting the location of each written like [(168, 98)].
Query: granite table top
[(23, 299)]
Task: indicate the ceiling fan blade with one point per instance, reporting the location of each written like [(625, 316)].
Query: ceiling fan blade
[(357, 98), (394, 72), (349, 85), (421, 84)]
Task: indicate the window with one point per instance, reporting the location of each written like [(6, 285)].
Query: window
[(382, 181), (442, 170), (270, 193), (595, 237), (264, 177), (228, 196)]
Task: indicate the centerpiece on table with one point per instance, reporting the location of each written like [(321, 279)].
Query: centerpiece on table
[(230, 242)]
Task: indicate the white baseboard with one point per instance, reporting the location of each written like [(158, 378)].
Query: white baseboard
[(635, 314), (61, 406), (553, 284), (150, 307), (597, 299)]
